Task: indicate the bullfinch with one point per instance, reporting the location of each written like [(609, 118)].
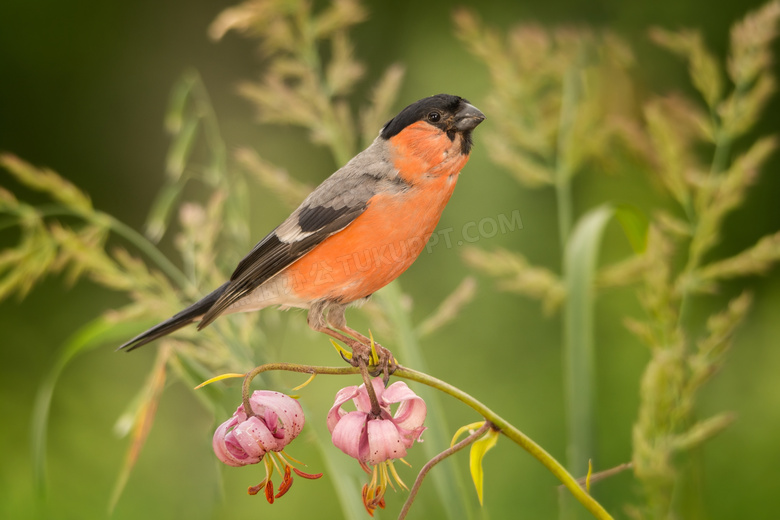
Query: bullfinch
[(355, 233)]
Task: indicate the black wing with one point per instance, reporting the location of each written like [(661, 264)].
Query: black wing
[(271, 255)]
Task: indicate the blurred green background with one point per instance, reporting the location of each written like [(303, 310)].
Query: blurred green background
[(83, 90)]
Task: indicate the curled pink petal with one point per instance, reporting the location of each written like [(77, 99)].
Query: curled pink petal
[(254, 437), (397, 392), (410, 436), (384, 442), (282, 414), (362, 402), (350, 435), (279, 411), (243, 440), (271, 419), (411, 414), (373, 440), (219, 444), (335, 413)]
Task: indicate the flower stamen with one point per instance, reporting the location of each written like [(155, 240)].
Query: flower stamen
[(275, 463), (384, 481), (311, 378), (253, 490), (282, 454), (395, 474), (286, 484), (310, 476)]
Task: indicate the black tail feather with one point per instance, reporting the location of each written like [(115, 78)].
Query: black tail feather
[(185, 317)]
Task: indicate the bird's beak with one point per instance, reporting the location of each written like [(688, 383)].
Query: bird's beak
[(468, 117)]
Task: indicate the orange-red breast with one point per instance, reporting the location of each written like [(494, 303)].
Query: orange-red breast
[(356, 232)]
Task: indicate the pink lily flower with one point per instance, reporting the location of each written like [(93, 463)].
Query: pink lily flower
[(245, 439), (377, 440)]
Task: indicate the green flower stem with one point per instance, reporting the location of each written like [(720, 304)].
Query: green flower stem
[(515, 435), (719, 163), (498, 422), (438, 458), (376, 410), (687, 491), (289, 367)]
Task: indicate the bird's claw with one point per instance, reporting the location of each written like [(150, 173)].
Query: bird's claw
[(386, 364), (362, 355)]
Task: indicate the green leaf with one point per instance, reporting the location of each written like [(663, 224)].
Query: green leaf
[(157, 220), (180, 149), (580, 268), (138, 420), (464, 429), (589, 475), (94, 334), (177, 103), (580, 262), (477, 453), (634, 224)]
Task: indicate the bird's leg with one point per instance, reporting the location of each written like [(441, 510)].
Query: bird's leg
[(386, 364), (318, 323), (335, 326), (360, 351), (361, 356)]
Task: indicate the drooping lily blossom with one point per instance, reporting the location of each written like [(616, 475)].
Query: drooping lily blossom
[(376, 440), (244, 439)]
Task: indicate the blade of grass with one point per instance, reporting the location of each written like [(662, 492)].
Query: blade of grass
[(580, 261), (162, 207), (143, 412), (94, 334), (580, 268)]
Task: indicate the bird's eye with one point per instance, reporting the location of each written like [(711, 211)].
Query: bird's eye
[(434, 117)]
